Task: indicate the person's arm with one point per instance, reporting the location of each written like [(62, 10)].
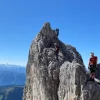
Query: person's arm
[(96, 61), (89, 64)]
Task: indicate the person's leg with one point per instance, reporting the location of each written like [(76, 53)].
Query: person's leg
[(94, 70), (56, 55), (91, 74)]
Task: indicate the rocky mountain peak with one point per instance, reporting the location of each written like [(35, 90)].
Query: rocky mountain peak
[(48, 78), (46, 39), (46, 36), (47, 25)]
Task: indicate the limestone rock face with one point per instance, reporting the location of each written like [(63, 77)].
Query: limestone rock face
[(98, 71), (91, 91), (51, 79), (72, 77)]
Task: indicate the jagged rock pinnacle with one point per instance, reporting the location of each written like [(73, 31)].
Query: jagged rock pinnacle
[(44, 71), (50, 79), (47, 25), (46, 29)]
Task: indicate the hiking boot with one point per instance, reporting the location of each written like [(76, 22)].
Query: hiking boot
[(91, 79)]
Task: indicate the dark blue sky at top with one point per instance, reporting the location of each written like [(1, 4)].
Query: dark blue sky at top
[(21, 20)]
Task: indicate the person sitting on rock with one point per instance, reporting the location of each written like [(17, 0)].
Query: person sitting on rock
[(57, 31), (92, 65), (56, 50)]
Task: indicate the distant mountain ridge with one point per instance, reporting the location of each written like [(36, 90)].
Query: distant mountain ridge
[(10, 65), (12, 74)]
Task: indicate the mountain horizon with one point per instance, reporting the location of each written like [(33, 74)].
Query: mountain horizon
[(12, 64), (12, 74)]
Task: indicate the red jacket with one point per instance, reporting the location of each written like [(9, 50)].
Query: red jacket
[(93, 60), (57, 49)]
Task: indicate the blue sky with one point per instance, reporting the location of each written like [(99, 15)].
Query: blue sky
[(21, 20)]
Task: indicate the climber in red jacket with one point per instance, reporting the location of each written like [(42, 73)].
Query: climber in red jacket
[(92, 65), (56, 50)]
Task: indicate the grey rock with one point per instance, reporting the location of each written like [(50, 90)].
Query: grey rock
[(91, 91), (98, 71), (51, 79), (71, 78)]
